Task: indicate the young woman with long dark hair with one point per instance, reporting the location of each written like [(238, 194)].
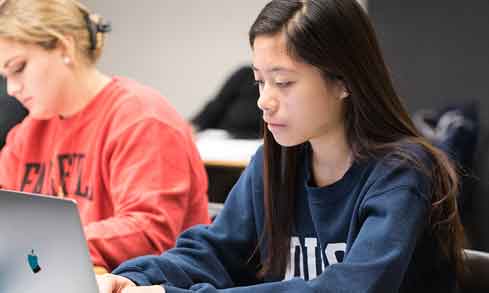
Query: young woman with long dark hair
[(344, 196)]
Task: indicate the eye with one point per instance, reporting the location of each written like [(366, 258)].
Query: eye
[(19, 67), (283, 84)]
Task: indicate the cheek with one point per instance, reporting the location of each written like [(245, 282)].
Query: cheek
[(315, 117), (56, 79), (46, 100), (310, 109)]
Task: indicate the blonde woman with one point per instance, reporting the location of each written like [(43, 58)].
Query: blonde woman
[(114, 145)]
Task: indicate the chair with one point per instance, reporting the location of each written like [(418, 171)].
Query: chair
[(11, 112), (476, 278)]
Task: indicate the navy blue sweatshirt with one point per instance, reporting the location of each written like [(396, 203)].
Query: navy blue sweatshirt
[(368, 232)]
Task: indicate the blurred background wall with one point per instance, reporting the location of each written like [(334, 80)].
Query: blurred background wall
[(185, 49)]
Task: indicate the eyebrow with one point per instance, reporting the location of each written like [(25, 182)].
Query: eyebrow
[(275, 69)]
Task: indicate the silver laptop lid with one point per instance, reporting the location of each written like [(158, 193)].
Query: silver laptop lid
[(42, 246)]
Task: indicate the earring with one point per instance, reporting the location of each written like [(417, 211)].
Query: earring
[(66, 60), (344, 95)]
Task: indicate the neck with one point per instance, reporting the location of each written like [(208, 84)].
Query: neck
[(331, 157), (86, 83)]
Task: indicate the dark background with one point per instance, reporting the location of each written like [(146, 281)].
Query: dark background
[(438, 54)]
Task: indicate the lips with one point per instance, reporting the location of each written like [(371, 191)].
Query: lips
[(274, 127), (274, 124), (271, 122)]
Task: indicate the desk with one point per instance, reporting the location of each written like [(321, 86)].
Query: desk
[(224, 158), (218, 148)]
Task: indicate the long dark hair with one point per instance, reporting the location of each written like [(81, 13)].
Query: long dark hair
[(336, 36)]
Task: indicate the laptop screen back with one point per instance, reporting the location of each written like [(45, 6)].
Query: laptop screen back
[(42, 246)]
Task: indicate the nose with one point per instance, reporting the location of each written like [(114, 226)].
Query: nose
[(13, 87), (267, 101)]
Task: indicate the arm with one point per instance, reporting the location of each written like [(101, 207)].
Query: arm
[(389, 225), (9, 163), (215, 109), (376, 262), (218, 254), (150, 184)]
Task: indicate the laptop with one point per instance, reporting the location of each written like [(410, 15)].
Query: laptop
[(42, 246)]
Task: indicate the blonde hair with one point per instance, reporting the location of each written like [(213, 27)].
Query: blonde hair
[(47, 22)]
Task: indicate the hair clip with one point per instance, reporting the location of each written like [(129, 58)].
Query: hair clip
[(101, 26), (104, 26)]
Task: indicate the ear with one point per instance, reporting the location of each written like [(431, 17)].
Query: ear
[(66, 47)]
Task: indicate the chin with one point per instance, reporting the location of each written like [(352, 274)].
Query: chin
[(288, 141)]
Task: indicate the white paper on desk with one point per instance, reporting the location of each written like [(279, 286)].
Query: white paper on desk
[(218, 145)]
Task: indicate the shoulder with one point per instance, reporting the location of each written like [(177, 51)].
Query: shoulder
[(256, 163), (405, 167), (132, 103), (131, 98)]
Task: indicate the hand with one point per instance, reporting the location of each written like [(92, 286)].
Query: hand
[(145, 289), (100, 270), (109, 283)]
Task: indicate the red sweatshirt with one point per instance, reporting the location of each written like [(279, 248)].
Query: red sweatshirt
[(129, 161)]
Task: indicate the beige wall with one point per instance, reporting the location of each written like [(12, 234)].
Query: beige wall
[(185, 49)]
